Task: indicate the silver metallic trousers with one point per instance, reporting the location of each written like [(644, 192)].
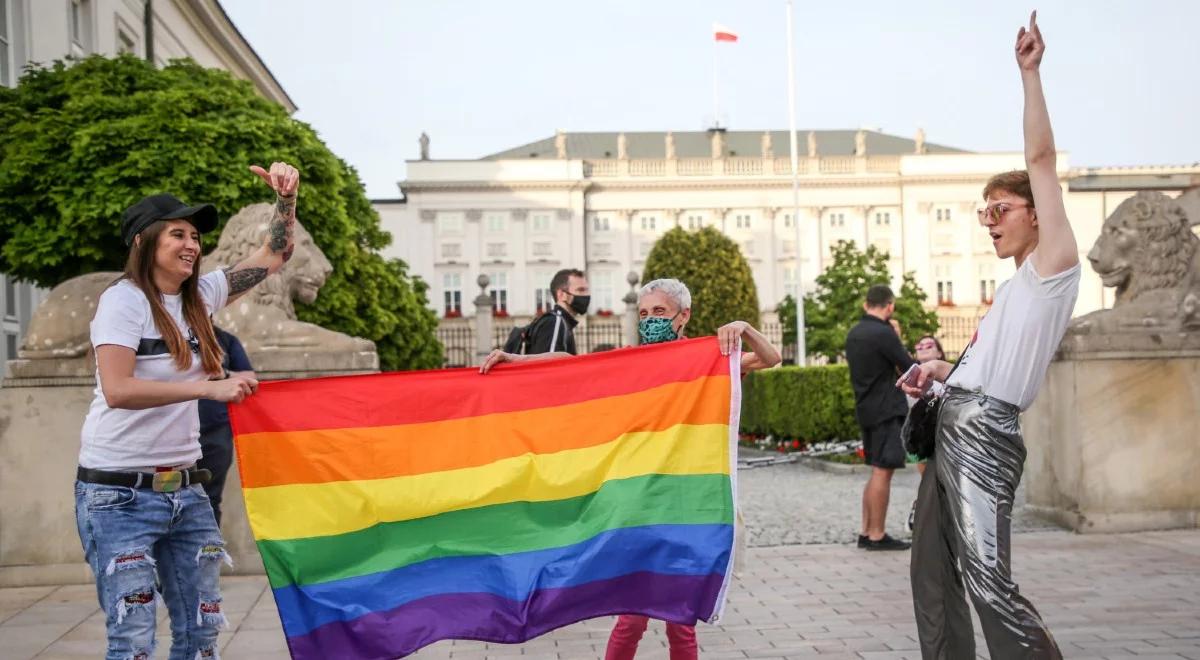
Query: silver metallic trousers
[(961, 537)]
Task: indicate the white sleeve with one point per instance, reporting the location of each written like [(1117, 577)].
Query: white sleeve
[(1054, 286), (214, 290), (120, 317)]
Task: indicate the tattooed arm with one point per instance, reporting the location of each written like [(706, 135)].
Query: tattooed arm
[(278, 245)]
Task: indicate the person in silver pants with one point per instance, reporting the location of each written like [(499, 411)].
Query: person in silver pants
[(962, 526), (964, 516)]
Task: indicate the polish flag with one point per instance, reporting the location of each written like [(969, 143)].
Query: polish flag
[(722, 33)]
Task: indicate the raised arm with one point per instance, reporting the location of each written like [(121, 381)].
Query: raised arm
[(762, 354), (1056, 250), (279, 243)]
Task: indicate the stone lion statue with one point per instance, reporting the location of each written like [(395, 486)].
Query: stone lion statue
[(57, 341), (59, 328), (264, 319), (1148, 251)]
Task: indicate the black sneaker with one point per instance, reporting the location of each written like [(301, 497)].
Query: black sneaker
[(887, 543), (863, 540)]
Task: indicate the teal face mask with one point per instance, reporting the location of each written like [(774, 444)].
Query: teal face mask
[(657, 329)]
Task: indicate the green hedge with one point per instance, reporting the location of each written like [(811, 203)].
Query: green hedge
[(812, 404)]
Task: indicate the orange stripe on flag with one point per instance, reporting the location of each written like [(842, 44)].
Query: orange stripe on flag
[(352, 454)]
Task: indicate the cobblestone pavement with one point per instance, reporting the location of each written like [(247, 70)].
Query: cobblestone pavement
[(1104, 596), (793, 503)]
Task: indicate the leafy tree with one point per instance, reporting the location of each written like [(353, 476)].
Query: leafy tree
[(836, 304), (714, 270), (915, 321), (81, 141)]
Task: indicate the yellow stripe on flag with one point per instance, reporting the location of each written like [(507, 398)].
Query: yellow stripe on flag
[(308, 510)]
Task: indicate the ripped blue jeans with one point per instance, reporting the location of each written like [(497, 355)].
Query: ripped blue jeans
[(129, 536)]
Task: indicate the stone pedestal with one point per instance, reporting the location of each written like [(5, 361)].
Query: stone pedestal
[(289, 364), (40, 420), (1114, 441), (39, 448), (42, 406)]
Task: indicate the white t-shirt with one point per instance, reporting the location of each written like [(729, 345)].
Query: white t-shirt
[(1018, 337), (117, 439)]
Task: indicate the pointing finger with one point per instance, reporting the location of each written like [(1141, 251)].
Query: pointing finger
[(261, 173)]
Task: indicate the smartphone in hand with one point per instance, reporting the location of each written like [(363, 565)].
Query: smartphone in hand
[(910, 377)]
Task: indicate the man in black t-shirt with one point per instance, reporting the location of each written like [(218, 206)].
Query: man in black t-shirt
[(876, 358)]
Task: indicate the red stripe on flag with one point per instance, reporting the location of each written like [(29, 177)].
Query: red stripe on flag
[(429, 396), (725, 36)]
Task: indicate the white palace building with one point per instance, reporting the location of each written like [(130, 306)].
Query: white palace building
[(598, 201)]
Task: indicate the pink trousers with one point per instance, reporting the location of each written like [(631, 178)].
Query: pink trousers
[(623, 642)]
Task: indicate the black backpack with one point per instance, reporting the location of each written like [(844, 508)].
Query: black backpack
[(520, 337)]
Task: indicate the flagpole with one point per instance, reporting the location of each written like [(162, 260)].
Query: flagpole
[(716, 96), (801, 356)]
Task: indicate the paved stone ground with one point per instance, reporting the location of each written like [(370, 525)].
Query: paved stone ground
[(795, 504), (1112, 597)]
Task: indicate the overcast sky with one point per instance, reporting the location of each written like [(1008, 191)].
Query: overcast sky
[(480, 76)]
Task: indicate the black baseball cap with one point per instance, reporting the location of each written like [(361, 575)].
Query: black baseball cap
[(165, 207)]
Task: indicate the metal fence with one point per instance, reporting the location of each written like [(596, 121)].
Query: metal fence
[(773, 331), (458, 337), (600, 333), (458, 344), (954, 332)]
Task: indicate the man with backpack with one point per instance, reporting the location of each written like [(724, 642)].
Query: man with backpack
[(554, 331)]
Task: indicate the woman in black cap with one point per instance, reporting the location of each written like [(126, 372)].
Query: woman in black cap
[(142, 513)]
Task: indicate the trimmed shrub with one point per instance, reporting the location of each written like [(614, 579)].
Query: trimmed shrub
[(812, 404), (714, 270)]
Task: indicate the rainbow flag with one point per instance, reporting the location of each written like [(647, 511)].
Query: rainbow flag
[(395, 510)]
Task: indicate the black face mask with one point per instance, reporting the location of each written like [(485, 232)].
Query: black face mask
[(579, 304)]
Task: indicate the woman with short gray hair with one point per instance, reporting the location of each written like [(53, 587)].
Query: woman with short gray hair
[(664, 309)]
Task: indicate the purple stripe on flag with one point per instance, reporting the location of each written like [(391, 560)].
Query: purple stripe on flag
[(491, 618)]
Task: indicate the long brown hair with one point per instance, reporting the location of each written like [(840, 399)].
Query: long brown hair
[(139, 269)]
